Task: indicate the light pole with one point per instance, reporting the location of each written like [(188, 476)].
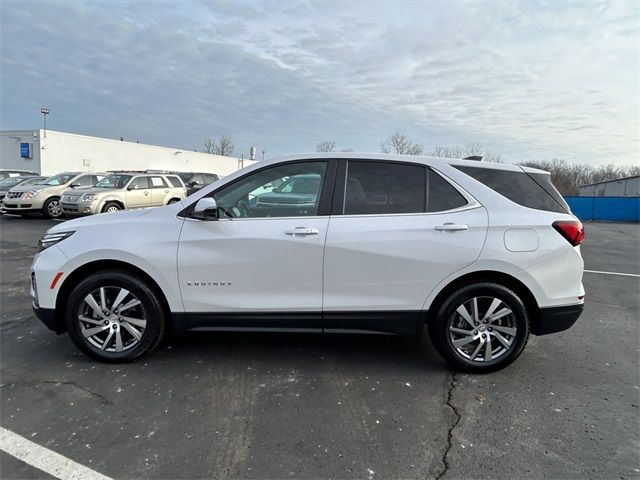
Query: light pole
[(45, 112)]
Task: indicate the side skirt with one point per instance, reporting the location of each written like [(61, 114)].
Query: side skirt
[(386, 322)]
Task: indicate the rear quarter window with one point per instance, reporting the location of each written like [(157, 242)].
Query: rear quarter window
[(175, 181), (529, 190)]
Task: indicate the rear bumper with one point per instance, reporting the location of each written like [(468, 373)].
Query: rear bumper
[(48, 317), (556, 319)]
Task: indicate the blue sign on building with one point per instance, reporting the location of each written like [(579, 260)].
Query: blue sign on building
[(25, 150)]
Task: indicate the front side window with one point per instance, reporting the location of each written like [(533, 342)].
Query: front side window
[(85, 180), (289, 190), (139, 183), (384, 188), (210, 178)]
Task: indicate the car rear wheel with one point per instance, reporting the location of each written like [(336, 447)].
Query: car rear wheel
[(111, 207), (481, 328), (51, 208), (172, 201), (114, 316)]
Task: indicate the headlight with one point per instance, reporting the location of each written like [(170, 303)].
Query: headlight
[(32, 194), (50, 239), (89, 197)]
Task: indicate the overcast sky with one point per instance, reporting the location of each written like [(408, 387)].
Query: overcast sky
[(527, 80)]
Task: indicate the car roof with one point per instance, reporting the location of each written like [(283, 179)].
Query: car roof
[(424, 159)]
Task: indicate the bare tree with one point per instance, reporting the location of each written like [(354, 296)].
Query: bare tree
[(467, 151), (326, 146), (567, 177), (401, 145), (223, 146)]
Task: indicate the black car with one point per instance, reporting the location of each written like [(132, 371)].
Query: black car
[(194, 181)]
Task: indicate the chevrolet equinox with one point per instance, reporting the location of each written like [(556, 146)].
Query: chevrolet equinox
[(480, 254)]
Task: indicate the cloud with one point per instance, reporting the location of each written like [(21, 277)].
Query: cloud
[(526, 80)]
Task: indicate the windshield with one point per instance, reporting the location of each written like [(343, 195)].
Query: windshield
[(113, 181), (11, 182), (59, 179), (32, 181)]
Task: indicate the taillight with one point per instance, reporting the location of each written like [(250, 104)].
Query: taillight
[(572, 230)]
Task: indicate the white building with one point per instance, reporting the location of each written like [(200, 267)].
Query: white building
[(58, 152)]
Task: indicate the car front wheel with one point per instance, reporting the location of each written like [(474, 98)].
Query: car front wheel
[(51, 208), (481, 328), (114, 316)]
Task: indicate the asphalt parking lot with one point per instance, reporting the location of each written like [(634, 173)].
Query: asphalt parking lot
[(340, 406)]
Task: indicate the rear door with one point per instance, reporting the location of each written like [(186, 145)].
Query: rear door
[(159, 190), (397, 230), (138, 193)]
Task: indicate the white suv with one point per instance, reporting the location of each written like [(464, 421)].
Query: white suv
[(481, 254)]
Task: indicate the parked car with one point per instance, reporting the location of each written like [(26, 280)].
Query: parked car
[(195, 181), (124, 191), (479, 254), (8, 173), (19, 181), (44, 198)]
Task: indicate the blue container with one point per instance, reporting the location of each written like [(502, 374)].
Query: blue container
[(606, 209)]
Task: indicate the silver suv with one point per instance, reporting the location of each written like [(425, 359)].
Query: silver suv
[(45, 197), (122, 191)]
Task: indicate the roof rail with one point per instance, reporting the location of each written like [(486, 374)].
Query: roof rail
[(473, 157)]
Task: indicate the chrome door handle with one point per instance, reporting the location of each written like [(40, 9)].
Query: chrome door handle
[(302, 231), (452, 227)]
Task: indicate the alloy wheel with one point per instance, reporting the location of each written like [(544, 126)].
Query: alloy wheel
[(53, 208), (482, 329), (112, 209), (112, 319)]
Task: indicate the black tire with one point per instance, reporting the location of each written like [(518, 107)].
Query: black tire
[(51, 208), (113, 206), (150, 310), (482, 335)]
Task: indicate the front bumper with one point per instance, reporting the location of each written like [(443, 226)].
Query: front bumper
[(556, 319), (48, 317), (18, 208), (80, 208)]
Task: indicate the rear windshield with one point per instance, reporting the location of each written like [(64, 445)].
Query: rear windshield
[(533, 190)]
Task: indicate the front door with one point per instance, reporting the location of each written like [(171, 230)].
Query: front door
[(260, 264), (391, 243), (138, 193)]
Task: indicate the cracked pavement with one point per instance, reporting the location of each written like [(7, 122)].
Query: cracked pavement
[(313, 406)]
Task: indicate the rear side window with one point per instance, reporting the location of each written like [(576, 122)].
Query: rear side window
[(441, 195), (158, 182), (175, 181), (383, 188), (529, 190)]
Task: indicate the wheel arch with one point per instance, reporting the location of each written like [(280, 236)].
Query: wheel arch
[(112, 200), (93, 267), (533, 309)]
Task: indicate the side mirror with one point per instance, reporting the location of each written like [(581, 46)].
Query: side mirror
[(192, 184), (75, 184), (206, 209)]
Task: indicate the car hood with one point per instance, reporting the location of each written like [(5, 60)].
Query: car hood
[(100, 220), (28, 188), (286, 198), (83, 190)]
